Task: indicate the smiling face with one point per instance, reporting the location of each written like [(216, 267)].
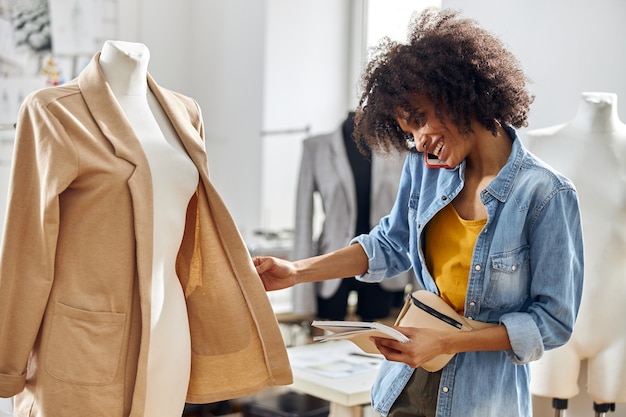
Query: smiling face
[(435, 136)]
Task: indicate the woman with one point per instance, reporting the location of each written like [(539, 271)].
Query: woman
[(497, 233)]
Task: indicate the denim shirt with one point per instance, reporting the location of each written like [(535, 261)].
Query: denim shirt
[(527, 273)]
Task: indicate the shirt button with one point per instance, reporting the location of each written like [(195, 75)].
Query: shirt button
[(513, 268), (444, 198), (445, 389), (477, 267), (472, 303)]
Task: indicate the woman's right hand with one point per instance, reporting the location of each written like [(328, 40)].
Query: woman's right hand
[(275, 273)]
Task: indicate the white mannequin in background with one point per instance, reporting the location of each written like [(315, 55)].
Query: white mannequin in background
[(591, 150), (174, 179)]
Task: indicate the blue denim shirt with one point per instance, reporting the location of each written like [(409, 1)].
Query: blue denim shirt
[(527, 273)]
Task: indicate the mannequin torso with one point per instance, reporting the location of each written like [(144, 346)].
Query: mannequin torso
[(591, 151), (174, 179)]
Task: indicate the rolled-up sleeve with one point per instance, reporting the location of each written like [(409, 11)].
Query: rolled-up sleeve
[(525, 338), (377, 264)]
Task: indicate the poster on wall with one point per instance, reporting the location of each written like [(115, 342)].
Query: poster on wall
[(26, 37), (49, 37)]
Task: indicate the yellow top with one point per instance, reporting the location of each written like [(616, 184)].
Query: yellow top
[(449, 245)]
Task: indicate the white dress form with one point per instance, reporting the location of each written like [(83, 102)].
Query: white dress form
[(591, 151), (174, 179)]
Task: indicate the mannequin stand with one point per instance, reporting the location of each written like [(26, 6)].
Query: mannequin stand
[(560, 405), (602, 409)]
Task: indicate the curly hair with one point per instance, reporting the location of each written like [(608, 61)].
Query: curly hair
[(467, 73)]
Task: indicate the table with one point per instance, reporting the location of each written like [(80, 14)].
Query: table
[(336, 371)]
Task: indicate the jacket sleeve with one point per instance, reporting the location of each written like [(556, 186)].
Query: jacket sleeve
[(304, 295), (41, 167), (303, 238)]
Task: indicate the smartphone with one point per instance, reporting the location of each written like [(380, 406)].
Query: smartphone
[(432, 161)]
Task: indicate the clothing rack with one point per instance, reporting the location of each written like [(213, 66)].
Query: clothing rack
[(8, 126), (306, 130)]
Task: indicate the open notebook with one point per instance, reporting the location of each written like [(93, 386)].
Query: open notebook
[(422, 309)]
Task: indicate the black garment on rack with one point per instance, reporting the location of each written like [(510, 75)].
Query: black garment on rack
[(362, 172)]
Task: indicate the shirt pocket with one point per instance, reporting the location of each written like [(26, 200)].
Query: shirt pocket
[(414, 226), (509, 279), (84, 347)]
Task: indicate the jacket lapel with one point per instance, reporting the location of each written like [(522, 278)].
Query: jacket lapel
[(108, 114), (189, 134), (342, 165), (116, 128), (110, 118)]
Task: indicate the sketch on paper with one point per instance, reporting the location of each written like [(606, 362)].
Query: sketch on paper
[(31, 25)]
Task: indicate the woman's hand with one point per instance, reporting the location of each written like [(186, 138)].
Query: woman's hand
[(426, 344), (423, 345), (275, 273)]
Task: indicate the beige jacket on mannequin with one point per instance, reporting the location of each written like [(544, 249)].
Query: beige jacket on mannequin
[(76, 265)]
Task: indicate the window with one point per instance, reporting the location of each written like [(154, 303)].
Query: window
[(391, 18)]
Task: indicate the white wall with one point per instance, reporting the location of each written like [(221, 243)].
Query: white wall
[(225, 73), (164, 27), (566, 47), (307, 70), (254, 66)]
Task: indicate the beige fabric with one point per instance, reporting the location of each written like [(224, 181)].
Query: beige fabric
[(76, 265), (413, 316)]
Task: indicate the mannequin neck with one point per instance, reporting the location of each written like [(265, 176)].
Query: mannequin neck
[(597, 112), (125, 67)]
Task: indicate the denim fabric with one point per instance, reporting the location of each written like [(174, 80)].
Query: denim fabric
[(527, 275)]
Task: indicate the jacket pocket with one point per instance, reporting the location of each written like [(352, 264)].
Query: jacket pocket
[(84, 347), (509, 279)]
